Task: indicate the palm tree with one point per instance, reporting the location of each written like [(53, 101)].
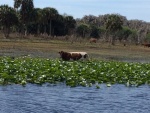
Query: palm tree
[(26, 8), (113, 24), (69, 23), (50, 14), (17, 4), (59, 26), (8, 18), (37, 18)]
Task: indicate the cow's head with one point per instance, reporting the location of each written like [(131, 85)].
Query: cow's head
[(65, 55)]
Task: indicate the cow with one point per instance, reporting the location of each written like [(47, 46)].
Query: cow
[(93, 40), (72, 55), (146, 45)]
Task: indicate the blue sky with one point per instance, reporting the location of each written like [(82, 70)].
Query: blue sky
[(132, 9)]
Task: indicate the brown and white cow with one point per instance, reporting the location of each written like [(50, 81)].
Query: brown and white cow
[(72, 55)]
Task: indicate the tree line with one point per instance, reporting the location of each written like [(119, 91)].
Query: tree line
[(25, 19)]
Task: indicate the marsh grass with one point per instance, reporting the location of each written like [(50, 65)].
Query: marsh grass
[(49, 48), (23, 70)]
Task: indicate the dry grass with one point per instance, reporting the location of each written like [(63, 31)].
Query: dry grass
[(49, 48)]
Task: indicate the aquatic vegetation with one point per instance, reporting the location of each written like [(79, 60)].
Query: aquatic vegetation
[(23, 70)]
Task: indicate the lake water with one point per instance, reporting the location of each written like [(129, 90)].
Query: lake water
[(63, 99)]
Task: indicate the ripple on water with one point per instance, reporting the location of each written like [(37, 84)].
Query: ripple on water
[(63, 99)]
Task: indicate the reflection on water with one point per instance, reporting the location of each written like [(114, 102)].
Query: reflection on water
[(63, 99)]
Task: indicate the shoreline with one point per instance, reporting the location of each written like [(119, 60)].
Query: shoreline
[(50, 48)]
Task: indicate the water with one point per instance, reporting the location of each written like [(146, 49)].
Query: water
[(63, 99)]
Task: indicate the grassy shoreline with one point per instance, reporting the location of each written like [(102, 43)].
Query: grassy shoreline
[(50, 48)]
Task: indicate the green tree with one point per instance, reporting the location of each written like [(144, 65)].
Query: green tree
[(82, 29), (94, 31), (134, 37), (50, 14), (113, 24), (69, 23), (17, 4), (26, 11), (59, 26), (147, 38), (124, 33), (8, 18), (37, 20)]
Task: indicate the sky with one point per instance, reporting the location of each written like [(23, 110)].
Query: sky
[(131, 9)]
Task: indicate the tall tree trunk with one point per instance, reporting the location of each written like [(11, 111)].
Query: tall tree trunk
[(45, 30), (113, 40), (50, 30), (6, 31), (25, 31), (38, 30)]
